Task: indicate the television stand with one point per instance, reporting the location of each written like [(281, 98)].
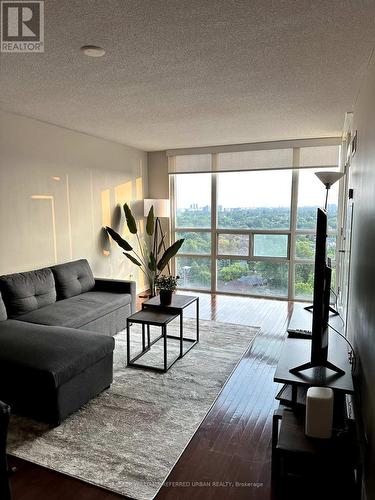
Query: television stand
[(296, 353), (304, 467)]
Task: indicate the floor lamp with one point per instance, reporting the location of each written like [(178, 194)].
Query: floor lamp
[(161, 210), (328, 179)]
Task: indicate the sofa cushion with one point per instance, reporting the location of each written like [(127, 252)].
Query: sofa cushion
[(54, 354), (25, 292), (73, 278), (3, 311), (78, 311)]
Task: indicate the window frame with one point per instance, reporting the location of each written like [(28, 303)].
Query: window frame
[(292, 233)]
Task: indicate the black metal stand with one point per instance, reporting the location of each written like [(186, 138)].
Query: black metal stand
[(323, 364), (146, 346), (159, 245), (158, 316), (296, 354), (331, 309), (177, 306)]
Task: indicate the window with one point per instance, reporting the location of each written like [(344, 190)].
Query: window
[(193, 213), (195, 243), (271, 245), (311, 195), (254, 200), (305, 247), (233, 244), (304, 281), (193, 197), (259, 238), (194, 272), (252, 277)]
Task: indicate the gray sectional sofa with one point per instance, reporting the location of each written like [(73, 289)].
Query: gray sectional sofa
[(56, 337)]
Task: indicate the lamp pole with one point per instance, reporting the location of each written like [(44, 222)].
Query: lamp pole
[(327, 191)]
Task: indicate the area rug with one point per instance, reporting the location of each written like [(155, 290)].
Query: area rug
[(129, 437)]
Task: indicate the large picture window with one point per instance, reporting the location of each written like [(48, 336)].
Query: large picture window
[(248, 200), (193, 200), (251, 232)]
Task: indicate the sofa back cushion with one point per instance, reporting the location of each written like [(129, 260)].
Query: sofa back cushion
[(73, 278), (26, 292), (3, 311)]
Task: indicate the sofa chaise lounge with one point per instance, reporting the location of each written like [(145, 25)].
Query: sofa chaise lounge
[(56, 337)]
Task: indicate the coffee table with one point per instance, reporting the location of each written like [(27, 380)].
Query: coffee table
[(177, 306), (147, 318)]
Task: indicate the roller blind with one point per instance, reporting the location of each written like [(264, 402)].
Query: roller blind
[(318, 156)]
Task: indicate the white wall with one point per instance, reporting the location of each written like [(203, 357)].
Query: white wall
[(158, 182), (361, 324), (158, 179), (57, 189)]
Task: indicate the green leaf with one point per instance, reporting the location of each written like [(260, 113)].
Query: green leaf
[(169, 254), (152, 262), (150, 221), (117, 238), (130, 221), (132, 259)]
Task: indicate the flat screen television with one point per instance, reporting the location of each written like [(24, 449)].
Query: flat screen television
[(321, 302)]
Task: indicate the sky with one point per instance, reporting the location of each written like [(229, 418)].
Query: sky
[(252, 189)]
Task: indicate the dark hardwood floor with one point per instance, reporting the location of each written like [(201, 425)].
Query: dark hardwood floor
[(229, 456)]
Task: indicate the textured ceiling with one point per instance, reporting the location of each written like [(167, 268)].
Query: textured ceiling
[(181, 73)]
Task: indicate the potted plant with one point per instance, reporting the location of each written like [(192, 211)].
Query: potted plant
[(150, 257), (166, 286)]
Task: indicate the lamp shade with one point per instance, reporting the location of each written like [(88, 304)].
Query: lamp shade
[(329, 178), (161, 207)]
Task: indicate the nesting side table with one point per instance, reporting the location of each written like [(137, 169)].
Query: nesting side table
[(177, 306), (148, 318)]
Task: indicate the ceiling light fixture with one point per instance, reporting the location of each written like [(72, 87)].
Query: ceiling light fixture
[(93, 51)]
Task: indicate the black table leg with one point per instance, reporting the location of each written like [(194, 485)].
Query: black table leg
[(143, 338), (127, 342), (181, 334), (197, 319), (148, 336), (5, 493), (164, 333)]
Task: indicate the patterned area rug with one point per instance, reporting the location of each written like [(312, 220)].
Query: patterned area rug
[(129, 437)]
